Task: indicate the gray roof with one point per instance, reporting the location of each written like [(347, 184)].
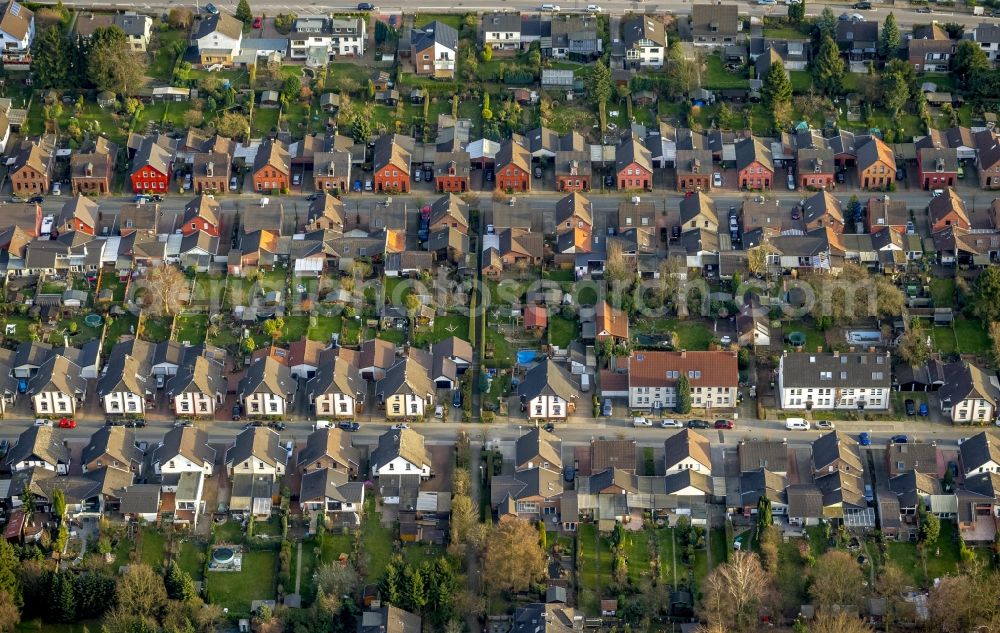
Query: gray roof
[(260, 443), (336, 375), (547, 378), (687, 443), (222, 23), (762, 482), (184, 441), (538, 443), (675, 482), (410, 375), (643, 27), (526, 484), (964, 381), (434, 33), (331, 442), (116, 441), (837, 370), (405, 443), (749, 150), (140, 499), (58, 373), (389, 619), (770, 454), (267, 375), (856, 34), (715, 19), (546, 618), (841, 488), (127, 369), (804, 501), (202, 375), (323, 484), (631, 150), (919, 456), (833, 446), (979, 450), (502, 21), (985, 484), (911, 485), (43, 442)]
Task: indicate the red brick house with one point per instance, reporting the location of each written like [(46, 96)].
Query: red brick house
[(946, 210), (393, 155), (988, 159), (754, 165), (694, 169), (201, 214), (633, 166), (151, 167), (210, 172), (936, 165), (272, 167), (814, 167), (31, 172), (513, 167), (92, 169), (876, 164), (79, 214), (451, 171), (573, 171)]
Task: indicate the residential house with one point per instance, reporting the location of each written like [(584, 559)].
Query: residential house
[(254, 464), (574, 224), (547, 392), (337, 389), (326, 213), (39, 447), (78, 214), (645, 41), (329, 449), (320, 39), (930, 49), (89, 495), (58, 388), (407, 390), (184, 449), (876, 164), (268, 388), (331, 493), (694, 169), (141, 502), (501, 30), (805, 504), (987, 35), (271, 167), (534, 494), (210, 172), (30, 172), (392, 156), (513, 166), (937, 166), (124, 387), (881, 212), (988, 158), (538, 448), (814, 168), (969, 394), (836, 380), (401, 452), (823, 210), (687, 450), (698, 212), (434, 50), (617, 454), (375, 358), (610, 323), (17, 32), (955, 245), (198, 388), (451, 171), (219, 39), (979, 454), (203, 213), (633, 166), (921, 457), (715, 24), (947, 209), (510, 249), (92, 168), (305, 357), (152, 165), (858, 40), (449, 211), (762, 482), (389, 619), (573, 170), (653, 375), (137, 28), (448, 246), (575, 37), (332, 171), (754, 165), (112, 447)]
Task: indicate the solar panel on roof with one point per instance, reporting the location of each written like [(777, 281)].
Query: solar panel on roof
[(15, 8)]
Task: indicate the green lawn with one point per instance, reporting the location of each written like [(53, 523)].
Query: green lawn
[(208, 289), (84, 332), (265, 120), (336, 544), (156, 330), (562, 331), (20, 324), (967, 337), (595, 567), (192, 328), (235, 590), (943, 292), (692, 334), (637, 556), (505, 292), (296, 328), (791, 577), (190, 558), (229, 532), (801, 81), (377, 542), (784, 32), (417, 553), (271, 527), (121, 325), (454, 20), (152, 549), (941, 560), (716, 76), (322, 328), (444, 327), (503, 352), (814, 338)]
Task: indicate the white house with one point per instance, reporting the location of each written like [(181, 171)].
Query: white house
[(988, 37), (401, 452), (198, 388), (969, 394), (834, 381), (979, 454), (40, 447), (645, 42), (219, 39), (687, 450), (336, 390), (58, 387), (502, 30), (124, 385), (653, 375), (267, 389), (329, 491), (137, 28), (184, 449), (406, 391), (17, 32), (547, 392), (258, 451), (320, 39)]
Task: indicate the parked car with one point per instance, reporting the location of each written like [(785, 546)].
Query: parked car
[(428, 175), (670, 424), (187, 182), (791, 181), (924, 10), (488, 175), (538, 172), (724, 424), (549, 427), (296, 179), (726, 340), (368, 185), (456, 398), (825, 425), (594, 8), (698, 424), (400, 426), (898, 439), (211, 8), (233, 184), (366, 6), (863, 6), (923, 411), (641, 422), (910, 406), (237, 412), (258, 22), (67, 423), (900, 174), (716, 179), (277, 426), (607, 410), (550, 7), (56, 189), (41, 422), (865, 439), (609, 182), (841, 178), (418, 175), (36, 199), (349, 425), (765, 2)]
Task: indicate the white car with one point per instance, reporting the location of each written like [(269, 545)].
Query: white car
[(41, 422), (824, 425), (671, 424), (400, 426), (716, 179), (550, 7), (641, 422), (594, 8), (791, 181), (56, 189), (726, 340)]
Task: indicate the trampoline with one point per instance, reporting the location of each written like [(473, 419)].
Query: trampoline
[(798, 339), (92, 320)]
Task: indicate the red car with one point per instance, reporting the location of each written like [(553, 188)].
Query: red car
[(66, 423), (724, 424), (258, 22)]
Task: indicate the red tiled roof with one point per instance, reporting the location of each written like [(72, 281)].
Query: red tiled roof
[(717, 369)]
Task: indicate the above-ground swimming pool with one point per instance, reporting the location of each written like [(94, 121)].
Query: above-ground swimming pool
[(797, 339), (862, 337), (526, 356), (224, 555), (93, 320)]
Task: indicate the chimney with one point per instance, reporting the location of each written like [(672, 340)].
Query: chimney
[(329, 168), (684, 353), (88, 170), (209, 169), (836, 354)]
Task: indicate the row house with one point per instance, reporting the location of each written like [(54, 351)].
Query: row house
[(645, 41), (407, 389), (510, 249), (30, 172), (969, 394), (272, 167), (337, 390), (698, 212), (267, 390), (513, 166), (836, 380), (535, 489), (876, 164), (754, 165), (326, 213), (332, 171), (78, 214), (547, 392), (501, 30), (319, 39), (823, 210), (815, 168), (393, 155), (39, 447), (198, 389), (112, 447), (694, 169), (937, 164), (714, 25), (930, 49), (92, 169), (451, 171), (987, 35), (152, 164), (653, 376), (987, 158), (218, 39), (633, 166), (449, 211), (255, 463), (203, 213), (124, 386), (210, 172), (575, 37), (574, 224)]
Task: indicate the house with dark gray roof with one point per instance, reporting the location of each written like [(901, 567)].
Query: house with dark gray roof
[(407, 390), (401, 452), (434, 50), (198, 387), (979, 454), (645, 41), (39, 447), (538, 449), (183, 449), (762, 482), (836, 380), (548, 391), (530, 494), (330, 449), (389, 619), (547, 618), (715, 24), (58, 387), (857, 40), (125, 385), (969, 393), (141, 502), (112, 447), (923, 457), (330, 492), (337, 390), (755, 454), (805, 504), (836, 451), (575, 37), (257, 450), (501, 30), (687, 450), (267, 389)]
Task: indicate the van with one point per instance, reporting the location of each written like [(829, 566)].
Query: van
[(322, 424), (585, 382), (796, 424)]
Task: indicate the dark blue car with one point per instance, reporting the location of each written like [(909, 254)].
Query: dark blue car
[(22, 386), (357, 186), (865, 439)]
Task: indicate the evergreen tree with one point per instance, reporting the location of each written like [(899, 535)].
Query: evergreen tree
[(543, 536), (764, 516), (95, 593), (797, 12), (441, 586), (51, 59), (178, 583), (683, 395), (969, 61), (62, 600), (889, 39), (9, 571), (244, 14), (828, 68), (59, 503), (416, 592), (777, 92), (391, 585), (826, 23), (599, 83)]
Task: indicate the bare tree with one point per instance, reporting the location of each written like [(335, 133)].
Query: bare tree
[(757, 258), (735, 591), (141, 592), (840, 623), (994, 330), (10, 616), (892, 582), (837, 580), (513, 558), (913, 347), (617, 268), (163, 289)]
